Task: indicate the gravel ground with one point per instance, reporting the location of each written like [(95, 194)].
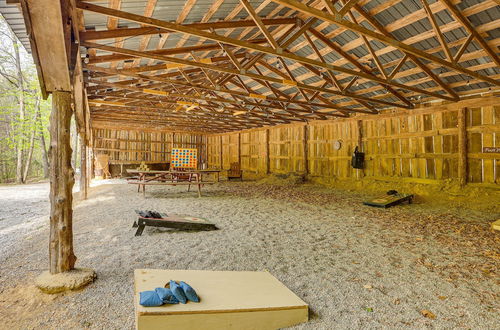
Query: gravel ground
[(358, 267)]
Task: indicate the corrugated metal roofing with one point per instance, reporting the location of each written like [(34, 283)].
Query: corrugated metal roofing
[(395, 15), (14, 17)]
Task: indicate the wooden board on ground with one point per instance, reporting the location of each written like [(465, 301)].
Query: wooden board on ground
[(386, 201), (175, 221), (228, 300)]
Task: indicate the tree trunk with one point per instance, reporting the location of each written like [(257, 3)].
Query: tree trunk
[(20, 85), (43, 146), (83, 168), (32, 140), (61, 256)]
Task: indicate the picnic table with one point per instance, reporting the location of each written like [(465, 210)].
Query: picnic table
[(172, 178)]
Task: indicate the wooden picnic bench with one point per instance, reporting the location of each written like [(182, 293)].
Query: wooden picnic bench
[(171, 178)]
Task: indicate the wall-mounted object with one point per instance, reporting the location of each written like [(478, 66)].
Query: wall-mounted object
[(358, 159), (337, 144)]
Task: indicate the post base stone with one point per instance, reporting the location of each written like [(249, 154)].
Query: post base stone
[(72, 280)]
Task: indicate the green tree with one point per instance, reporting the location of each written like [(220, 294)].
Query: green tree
[(23, 113)]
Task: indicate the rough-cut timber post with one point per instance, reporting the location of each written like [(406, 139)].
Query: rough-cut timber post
[(462, 147), (268, 159), (172, 147), (83, 168), (92, 163), (239, 149), (306, 148), (61, 256), (359, 124), (220, 152)]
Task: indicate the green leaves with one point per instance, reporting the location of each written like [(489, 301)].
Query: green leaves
[(19, 117)]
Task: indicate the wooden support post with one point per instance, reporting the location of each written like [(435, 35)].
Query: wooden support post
[(89, 166), (239, 149), (220, 152), (359, 125), (61, 256), (83, 168), (268, 163), (91, 163), (306, 148), (462, 147)]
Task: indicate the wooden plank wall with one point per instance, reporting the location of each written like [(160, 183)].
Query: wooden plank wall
[(133, 147), (420, 145)]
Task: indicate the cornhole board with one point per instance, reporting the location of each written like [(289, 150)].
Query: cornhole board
[(228, 300), (174, 221), (386, 201)]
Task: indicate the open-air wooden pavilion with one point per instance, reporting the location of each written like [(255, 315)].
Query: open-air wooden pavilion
[(278, 86)]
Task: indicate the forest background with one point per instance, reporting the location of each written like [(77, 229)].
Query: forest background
[(24, 115)]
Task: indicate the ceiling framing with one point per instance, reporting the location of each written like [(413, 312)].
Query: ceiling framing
[(227, 65)]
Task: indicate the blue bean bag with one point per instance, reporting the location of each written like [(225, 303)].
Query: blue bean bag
[(150, 299), (178, 292), (166, 296), (189, 292)]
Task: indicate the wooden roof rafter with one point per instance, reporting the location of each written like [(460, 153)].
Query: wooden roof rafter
[(244, 68)]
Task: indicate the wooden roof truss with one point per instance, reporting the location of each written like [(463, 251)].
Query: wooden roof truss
[(293, 64)]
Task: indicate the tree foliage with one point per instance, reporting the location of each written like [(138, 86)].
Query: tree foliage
[(24, 115)]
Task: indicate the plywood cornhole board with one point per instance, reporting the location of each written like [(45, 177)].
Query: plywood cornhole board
[(228, 300), (386, 201), (175, 221)]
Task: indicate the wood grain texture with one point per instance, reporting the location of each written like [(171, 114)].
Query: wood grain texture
[(61, 255)]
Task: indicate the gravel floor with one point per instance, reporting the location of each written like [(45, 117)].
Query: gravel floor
[(358, 267)]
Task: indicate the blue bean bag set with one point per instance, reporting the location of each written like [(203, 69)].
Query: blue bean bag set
[(173, 293)]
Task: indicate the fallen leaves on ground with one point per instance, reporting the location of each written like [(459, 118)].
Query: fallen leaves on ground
[(428, 314)]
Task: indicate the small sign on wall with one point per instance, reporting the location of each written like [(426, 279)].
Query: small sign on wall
[(491, 150)]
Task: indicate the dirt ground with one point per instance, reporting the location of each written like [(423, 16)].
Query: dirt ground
[(412, 266)]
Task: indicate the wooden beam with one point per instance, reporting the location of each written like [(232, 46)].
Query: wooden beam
[(462, 147), (468, 26), (306, 148), (347, 7), (256, 76), (356, 63), (251, 12), (437, 30), (83, 168), (203, 87), (244, 44), (51, 48), (267, 156), (330, 7), (414, 58), (169, 51), (308, 10), (169, 95), (462, 48), (61, 255), (92, 35), (398, 66)]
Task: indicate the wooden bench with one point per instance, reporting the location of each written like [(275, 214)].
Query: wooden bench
[(199, 184)]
